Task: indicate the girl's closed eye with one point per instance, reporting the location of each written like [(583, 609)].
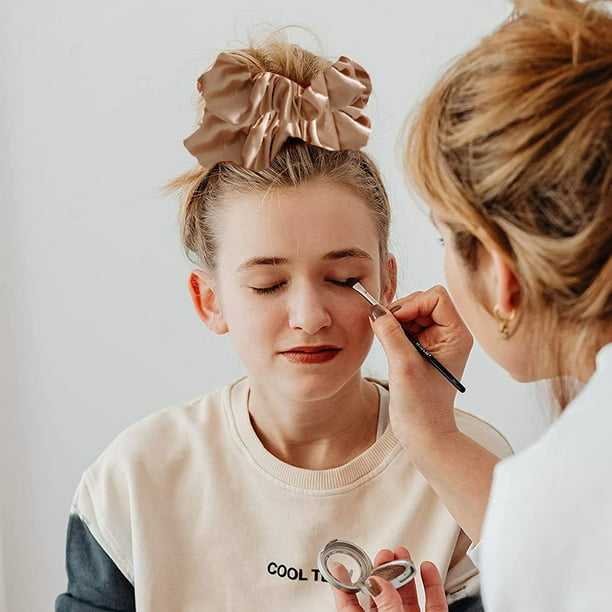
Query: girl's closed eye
[(277, 286), (341, 283), (267, 290)]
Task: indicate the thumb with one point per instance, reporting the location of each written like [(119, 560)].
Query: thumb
[(385, 596), (434, 588)]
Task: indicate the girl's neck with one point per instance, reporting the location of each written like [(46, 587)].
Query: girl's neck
[(319, 434)]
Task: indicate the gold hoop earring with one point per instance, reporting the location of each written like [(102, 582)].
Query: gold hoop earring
[(504, 321)]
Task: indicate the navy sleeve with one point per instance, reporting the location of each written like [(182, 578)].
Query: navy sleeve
[(469, 604), (95, 584)]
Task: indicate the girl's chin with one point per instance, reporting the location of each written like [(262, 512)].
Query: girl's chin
[(315, 388)]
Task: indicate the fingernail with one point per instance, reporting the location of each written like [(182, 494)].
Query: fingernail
[(373, 588), (377, 311), (395, 308)]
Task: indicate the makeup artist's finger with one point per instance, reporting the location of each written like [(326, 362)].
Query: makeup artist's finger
[(401, 552), (346, 602), (386, 597), (434, 312), (434, 589), (400, 353), (407, 593), (383, 556), (432, 317), (432, 305), (339, 572)]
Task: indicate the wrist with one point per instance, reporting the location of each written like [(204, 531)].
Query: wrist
[(427, 438)]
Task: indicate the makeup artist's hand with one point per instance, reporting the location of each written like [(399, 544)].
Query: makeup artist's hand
[(422, 400), (421, 403), (386, 598)]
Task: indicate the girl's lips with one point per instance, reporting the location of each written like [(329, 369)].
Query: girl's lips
[(310, 354)]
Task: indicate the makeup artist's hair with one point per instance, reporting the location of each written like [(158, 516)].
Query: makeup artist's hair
[(297, 163), (514, 143)]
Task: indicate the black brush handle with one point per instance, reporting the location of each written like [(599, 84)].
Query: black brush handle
[(435, 363)]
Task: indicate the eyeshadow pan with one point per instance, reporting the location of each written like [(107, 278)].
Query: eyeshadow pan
[(388, 572)]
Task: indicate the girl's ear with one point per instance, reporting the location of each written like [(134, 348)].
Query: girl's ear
[(390, 284), (205, 301)]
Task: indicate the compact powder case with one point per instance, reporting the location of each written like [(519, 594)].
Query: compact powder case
[(398, 572)]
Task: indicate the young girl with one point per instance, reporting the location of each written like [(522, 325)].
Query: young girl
[(224, 503)]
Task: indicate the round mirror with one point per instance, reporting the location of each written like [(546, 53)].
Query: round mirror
[(347, 567), (344, 565)]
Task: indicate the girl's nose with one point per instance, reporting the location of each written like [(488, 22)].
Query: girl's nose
[(307, 310)]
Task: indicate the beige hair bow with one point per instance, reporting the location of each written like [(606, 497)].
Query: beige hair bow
[(247, 117)]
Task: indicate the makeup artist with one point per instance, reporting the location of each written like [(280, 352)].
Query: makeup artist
[(512, 151)]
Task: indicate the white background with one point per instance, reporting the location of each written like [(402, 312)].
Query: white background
[(96, 328)]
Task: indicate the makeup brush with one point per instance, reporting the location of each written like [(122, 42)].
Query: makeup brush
[(353, 283)]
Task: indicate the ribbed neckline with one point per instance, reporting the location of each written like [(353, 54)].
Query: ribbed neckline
[(320, 482)]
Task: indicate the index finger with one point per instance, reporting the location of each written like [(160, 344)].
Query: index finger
[(428, 307), (407, 593), (345, 602)]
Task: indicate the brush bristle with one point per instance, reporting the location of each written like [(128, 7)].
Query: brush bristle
[(351, 282)]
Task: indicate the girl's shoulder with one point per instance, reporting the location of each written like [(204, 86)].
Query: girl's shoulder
[(476, 428), (169, 432), (483, 432)]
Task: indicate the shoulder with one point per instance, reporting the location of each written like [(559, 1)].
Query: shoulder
[(149, 461), (483, 432), (562, 449), (157, 442), (175, 425), (154, 459)]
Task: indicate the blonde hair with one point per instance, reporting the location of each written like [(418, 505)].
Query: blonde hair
[(514, 146), (206, 190)]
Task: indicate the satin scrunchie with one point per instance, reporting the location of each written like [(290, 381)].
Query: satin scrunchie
[(247, 117)]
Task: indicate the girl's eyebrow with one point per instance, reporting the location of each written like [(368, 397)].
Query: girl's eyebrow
[(260, 261), (352, 252)]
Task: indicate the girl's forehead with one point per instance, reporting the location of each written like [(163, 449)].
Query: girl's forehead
[(311, 202), (310, 220)]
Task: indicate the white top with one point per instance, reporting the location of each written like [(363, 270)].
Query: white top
[(547, 538), (192, 509)]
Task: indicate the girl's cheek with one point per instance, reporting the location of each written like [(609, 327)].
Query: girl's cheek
[(356, 315)]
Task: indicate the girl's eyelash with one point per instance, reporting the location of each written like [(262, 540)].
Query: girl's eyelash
[(267, 290), (273, 288), (441, 241)]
